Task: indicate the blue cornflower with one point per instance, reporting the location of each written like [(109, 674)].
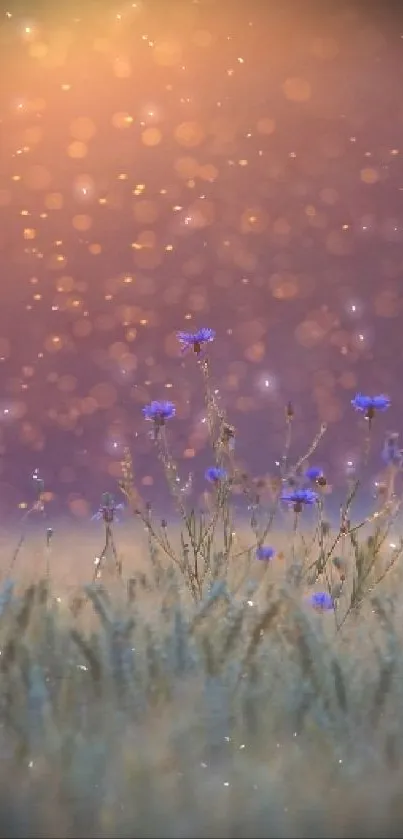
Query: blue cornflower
[(265, 552), (300, 497), (195, 340), (392, 454), (108, 513), (159, 412), (321, 600), (215, 474), (107, 510), (313, 473), (370, 404)]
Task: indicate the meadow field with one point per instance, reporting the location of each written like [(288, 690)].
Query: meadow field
[(210, 642), (214, 677), (129, 709)]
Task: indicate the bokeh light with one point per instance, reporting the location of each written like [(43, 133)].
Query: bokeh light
[(238, 167)]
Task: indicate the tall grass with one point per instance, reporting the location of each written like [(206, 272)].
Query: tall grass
[(228, 688)]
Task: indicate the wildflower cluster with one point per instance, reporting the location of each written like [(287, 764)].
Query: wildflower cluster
[(300, 486)]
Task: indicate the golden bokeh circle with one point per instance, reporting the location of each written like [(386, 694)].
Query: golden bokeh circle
[(186, 167), (77, 150), (151, 136), (82, 222), (369, 175), (122, 119), (54, 200), (189, 134), (297, 89), (122, 68)]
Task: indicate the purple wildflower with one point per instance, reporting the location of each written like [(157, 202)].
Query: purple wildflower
[(107, 512), (370, 403), (321, 600), (265, 552), (314, 473), (159, 412), (195, 340), (214, 474), (300, 497)]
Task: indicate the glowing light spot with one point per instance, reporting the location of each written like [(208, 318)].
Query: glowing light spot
[(297, 90), (369, 176)]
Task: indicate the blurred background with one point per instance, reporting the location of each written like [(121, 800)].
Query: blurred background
[(170, 165)]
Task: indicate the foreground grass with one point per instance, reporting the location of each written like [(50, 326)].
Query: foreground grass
[(130, 710)]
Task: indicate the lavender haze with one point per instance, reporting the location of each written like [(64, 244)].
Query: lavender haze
[(172, 166)]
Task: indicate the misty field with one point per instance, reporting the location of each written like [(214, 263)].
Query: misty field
[(210, 678), (128, 708)]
